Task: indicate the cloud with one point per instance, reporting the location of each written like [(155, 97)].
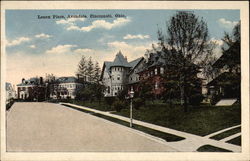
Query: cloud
[(95, 24), (69, 21), (83, 50), (139, 36), (42, 35), (226, 23), (61, 49), (216, 41), (132, 51), (32, 46), (217, 52), (17, 41)]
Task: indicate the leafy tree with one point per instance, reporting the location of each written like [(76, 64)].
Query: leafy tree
[(145, 90), (231, 50), (187, 39)]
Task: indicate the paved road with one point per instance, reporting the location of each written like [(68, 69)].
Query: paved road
[(53, 127)]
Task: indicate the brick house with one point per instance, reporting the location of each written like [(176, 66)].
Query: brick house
[(32, 89)]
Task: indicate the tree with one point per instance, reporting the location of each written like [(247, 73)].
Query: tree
[(97, 72), (82, 69), (231, 50), (90, 70), (187, 39)]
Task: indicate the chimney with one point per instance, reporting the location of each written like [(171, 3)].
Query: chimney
[(23, 80), (41, 80), (126, 58)]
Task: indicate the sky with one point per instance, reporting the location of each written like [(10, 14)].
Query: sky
[(36, 45)]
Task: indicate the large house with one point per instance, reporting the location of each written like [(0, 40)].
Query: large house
[(120, 73), (65, 87), (32, 89)]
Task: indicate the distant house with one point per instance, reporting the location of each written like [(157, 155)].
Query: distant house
[(65, 87), (10, 92), (32, 89), (120, 73)]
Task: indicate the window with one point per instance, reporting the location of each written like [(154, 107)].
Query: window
[(118, 88), (131, 78), (155, 71), (156, 85), (108, 89), (118, 77), (162, 70)]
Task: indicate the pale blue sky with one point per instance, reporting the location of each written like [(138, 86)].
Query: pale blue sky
[(55, 46)]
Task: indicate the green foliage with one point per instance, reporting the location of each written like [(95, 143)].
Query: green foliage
[(145, 90), (196, 99), (138, 102), (109, 100), (119, 105), (200, 121)]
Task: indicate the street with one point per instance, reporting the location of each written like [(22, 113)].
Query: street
[(47, 127)]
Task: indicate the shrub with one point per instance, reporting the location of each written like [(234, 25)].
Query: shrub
[(196, 99), (109, 100), (138, 102), (215, 98), (119, 105)]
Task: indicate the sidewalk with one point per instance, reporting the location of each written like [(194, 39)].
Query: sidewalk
[(189, 144)]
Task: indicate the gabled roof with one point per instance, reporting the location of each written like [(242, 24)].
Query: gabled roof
[(134, 63)]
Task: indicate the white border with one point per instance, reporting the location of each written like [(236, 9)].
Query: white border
[(244, 12)]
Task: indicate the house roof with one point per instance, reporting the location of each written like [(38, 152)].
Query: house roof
[(231, 56), (67, 80), (120, 60), (31, 81)]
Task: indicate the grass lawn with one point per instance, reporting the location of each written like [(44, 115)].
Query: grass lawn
[(226, 133), (102, 106), (210, 148), (201, 120), (236, 141)]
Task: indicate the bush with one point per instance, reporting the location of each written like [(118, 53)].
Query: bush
[(196, 99), (215, 98), (109, 100), (138, 102), (9, 103), (119, 105)]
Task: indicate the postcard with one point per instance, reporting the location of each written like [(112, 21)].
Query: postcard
[(116, 80)]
